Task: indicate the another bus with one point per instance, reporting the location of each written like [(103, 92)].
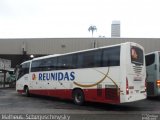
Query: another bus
[(111, 74), (153, 73)]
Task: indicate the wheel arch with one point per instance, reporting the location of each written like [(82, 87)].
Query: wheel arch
[(25, 86), (77, 88), (78, 96)]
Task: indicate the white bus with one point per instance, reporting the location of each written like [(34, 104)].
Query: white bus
[(111, 74), (153, 73)]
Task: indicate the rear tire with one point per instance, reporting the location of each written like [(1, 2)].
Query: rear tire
[(26, 91), (78, 97)]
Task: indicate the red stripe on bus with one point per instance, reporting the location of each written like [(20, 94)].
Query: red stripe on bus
[(92, 95)]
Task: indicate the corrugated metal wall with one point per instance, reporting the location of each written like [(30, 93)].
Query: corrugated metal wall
[(10, 46), (150, 44), (63, 45)]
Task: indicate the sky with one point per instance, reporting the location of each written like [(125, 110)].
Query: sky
[(72, 18)]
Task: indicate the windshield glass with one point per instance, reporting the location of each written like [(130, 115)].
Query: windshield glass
[(22, 70), (18, 71), (137, 55)]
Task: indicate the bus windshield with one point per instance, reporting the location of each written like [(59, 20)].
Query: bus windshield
[(137, 55), (18, 71), (22, 70)]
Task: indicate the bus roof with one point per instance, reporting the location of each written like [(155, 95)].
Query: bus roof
[(153, 52), (56, 55), (26, 61)]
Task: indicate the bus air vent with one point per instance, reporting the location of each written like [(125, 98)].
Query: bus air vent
[(111, 93), (137, 69)]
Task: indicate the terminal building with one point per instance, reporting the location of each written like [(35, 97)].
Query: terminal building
[(20, 49)]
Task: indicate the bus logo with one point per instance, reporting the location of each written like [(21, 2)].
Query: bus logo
[(33, 76)]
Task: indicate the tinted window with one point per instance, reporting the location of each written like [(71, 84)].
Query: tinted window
[(67, 62), (35, 66), (23, 69), (62, 62), (98, 58), (89, 59), (44, 65), (52, 63), (150, 59), (137, 55), (111, 56)]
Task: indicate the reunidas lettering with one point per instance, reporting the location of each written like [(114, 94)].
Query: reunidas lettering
[(57, 76)]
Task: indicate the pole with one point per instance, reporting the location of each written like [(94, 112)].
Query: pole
[(4, 82)]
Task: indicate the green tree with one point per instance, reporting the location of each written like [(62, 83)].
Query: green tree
[(92, 28)]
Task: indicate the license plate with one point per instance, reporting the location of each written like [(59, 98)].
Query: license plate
[(137, 80)]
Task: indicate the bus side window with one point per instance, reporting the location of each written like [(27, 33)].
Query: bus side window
[(89, 59), (35, 66), (65, 62), (111, 56)]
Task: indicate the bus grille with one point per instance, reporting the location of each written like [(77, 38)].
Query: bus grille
[(137, 69), (150, 88), (111, 93)]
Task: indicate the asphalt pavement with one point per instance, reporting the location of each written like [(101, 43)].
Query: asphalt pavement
[(17, 106)]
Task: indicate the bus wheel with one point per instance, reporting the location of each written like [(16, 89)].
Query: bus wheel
[(78, 97), (26, 91)]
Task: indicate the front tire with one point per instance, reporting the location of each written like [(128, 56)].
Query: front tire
[(26, 91), (78, 97)]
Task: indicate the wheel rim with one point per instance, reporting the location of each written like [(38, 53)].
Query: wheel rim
[(78, 97), (26, 91)]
